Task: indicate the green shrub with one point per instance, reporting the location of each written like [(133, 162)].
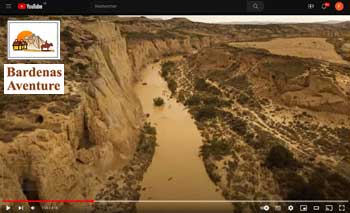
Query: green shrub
[(288, 67), (205, 112), (295, 187), (172, 85), (67, 37), (216, 148), (238, 125), (158, 101), (148, 129), (167, 68), (148, 139), (193, 100), (304, 191), (280, 157), (201, 85), (66, 33), (243, 98), (343, 134), (210, 168), (239, 82), (181, 96), (23, 103), (215, 101)]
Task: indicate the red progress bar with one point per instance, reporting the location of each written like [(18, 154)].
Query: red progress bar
[(48, 201)]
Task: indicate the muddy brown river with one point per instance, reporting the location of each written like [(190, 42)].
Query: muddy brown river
[(176, 179)]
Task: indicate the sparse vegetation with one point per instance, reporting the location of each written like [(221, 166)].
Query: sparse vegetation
[(148, 139), (181, 96), (320, 185), (149, 129), (215, 88), (214, 101), (239, 82), (167, 68), (244, 101), (343, 134), (200, 84), (238, 125), (204, 112), (210, 168), (288, 67), (193, 100), (338, 44), (243, 98), (172, 85), (216, 148), (22, 103)]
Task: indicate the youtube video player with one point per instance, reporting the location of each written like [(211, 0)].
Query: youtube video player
[(174, 106)]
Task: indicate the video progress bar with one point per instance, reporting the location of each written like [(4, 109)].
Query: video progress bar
[(221, 201), (175, 201), (48, 201)]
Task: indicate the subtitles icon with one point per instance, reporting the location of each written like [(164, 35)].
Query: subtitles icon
[(278, 208)]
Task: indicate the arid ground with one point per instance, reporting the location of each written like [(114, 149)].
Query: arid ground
[(268, 107)]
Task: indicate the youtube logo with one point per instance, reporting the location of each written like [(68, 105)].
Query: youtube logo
[(22, 6), (27, 6)]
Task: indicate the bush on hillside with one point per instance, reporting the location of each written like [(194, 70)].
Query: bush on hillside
[(158, 101), (280, 157)]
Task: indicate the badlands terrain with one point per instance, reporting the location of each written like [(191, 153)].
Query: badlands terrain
[(271, 102)]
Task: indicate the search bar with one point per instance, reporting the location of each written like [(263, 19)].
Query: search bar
[(104, 5), (255, 6)]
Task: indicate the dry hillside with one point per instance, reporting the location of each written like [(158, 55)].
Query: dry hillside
[(273, 126)]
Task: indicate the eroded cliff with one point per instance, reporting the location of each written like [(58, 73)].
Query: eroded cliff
[(67, 154), (68, 147)]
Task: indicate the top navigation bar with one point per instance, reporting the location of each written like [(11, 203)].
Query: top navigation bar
[(176, 7)]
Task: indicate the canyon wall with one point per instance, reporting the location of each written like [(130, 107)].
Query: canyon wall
[(69, 155), (143, 52)]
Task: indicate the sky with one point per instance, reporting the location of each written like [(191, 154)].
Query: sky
[(261, 18)]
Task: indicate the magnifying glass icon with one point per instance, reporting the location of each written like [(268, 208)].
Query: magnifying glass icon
[(255, 6)]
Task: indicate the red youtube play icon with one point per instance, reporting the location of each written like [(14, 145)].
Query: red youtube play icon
[(21, 6)]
